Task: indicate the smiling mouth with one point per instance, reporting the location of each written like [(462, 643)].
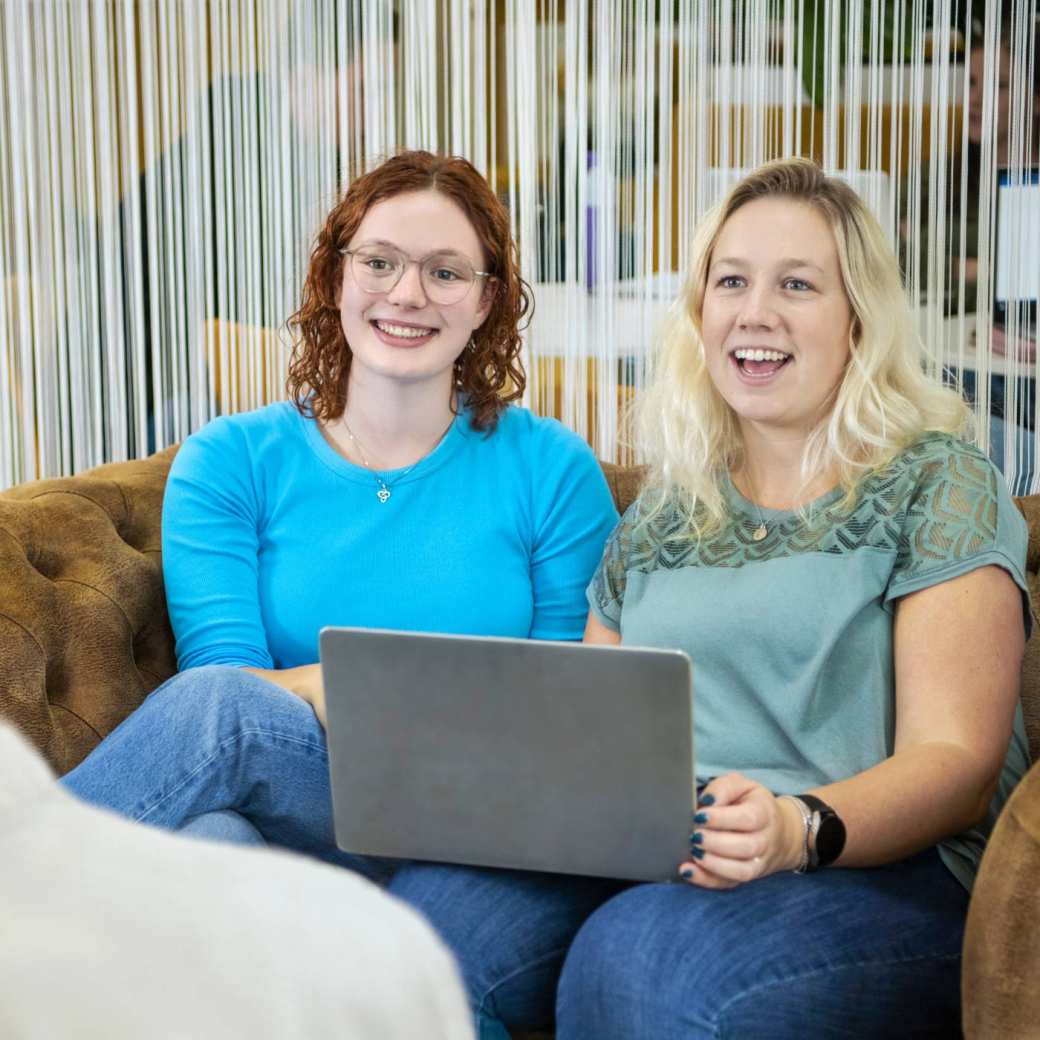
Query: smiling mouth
[(392, 328), (759, 362)]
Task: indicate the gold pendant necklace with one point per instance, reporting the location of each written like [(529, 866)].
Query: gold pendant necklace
[(762, 531)]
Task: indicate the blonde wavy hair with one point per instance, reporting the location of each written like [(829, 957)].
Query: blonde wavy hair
[(885, 401)]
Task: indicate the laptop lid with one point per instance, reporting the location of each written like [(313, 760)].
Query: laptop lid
[(515, 753)]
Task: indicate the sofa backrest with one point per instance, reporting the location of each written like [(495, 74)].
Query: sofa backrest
[(84, 634)]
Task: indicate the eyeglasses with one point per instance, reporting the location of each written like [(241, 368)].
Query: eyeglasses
[(445, 277)]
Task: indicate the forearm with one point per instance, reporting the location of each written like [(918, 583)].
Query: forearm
[(922, 794)]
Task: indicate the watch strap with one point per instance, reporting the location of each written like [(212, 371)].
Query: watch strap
[(807, 821), (823, 815)]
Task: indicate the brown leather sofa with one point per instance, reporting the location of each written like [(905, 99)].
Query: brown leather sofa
[(84, 638)]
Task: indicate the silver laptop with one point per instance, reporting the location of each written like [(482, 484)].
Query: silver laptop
[(512, 753)]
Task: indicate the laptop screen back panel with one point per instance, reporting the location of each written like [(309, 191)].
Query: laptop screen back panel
[(510, 753)]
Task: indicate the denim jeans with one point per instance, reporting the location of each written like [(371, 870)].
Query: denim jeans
[(217, 752), (509, 931), (841, 953)]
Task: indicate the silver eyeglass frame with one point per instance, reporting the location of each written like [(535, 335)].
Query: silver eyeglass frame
[(418, 263)]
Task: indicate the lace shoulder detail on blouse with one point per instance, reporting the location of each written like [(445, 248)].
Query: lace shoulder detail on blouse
[(934, 503)]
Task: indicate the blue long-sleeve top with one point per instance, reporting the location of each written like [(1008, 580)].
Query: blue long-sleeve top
[(269, 535)]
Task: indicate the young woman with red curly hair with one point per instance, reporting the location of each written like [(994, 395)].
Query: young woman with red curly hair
[(397, 488)]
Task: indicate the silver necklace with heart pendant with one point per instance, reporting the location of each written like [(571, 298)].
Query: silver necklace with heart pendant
[(385, 489)]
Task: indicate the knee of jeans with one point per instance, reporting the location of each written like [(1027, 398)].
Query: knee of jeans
[(224, 701), (594, 974), (919, 998), (218, 690), (620, 960), (597, 963)]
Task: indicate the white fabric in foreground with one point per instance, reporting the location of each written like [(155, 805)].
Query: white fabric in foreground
[(110, 929)]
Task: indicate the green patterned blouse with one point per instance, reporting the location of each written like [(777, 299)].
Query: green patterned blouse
[(791, 636)]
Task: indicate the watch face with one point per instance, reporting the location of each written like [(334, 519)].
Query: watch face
[(830, 839)]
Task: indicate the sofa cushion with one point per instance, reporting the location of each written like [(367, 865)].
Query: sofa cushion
[(624, 482)]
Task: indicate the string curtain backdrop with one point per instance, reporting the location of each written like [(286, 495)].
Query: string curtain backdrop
[(165, 166)]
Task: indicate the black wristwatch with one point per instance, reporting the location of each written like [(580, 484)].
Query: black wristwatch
[(825, 833)]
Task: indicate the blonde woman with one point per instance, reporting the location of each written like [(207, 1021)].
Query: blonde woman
[(847, 575)]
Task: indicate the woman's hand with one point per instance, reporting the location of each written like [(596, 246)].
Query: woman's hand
[(304, 681), (741, 832)]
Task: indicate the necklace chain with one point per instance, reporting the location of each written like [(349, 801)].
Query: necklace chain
[(385, 488), (762, 530)]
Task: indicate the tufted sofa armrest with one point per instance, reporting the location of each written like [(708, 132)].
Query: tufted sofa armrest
[(84, 634), (1002, 938), (1030, 508)]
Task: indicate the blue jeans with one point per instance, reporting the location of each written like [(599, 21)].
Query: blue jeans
[(221, 753), (841, 953), (509, 931)]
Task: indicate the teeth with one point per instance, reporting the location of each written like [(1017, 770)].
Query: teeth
[(403, 331), (745, 354)]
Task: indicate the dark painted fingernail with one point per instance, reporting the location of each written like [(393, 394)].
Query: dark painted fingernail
[(697, 853), (697, 838), (686, 872), (701, 817), (706, 799)]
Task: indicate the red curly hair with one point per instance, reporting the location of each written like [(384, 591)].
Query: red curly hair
[(490, 374)]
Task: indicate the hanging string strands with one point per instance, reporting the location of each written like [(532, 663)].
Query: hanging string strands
[(168, 165)]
